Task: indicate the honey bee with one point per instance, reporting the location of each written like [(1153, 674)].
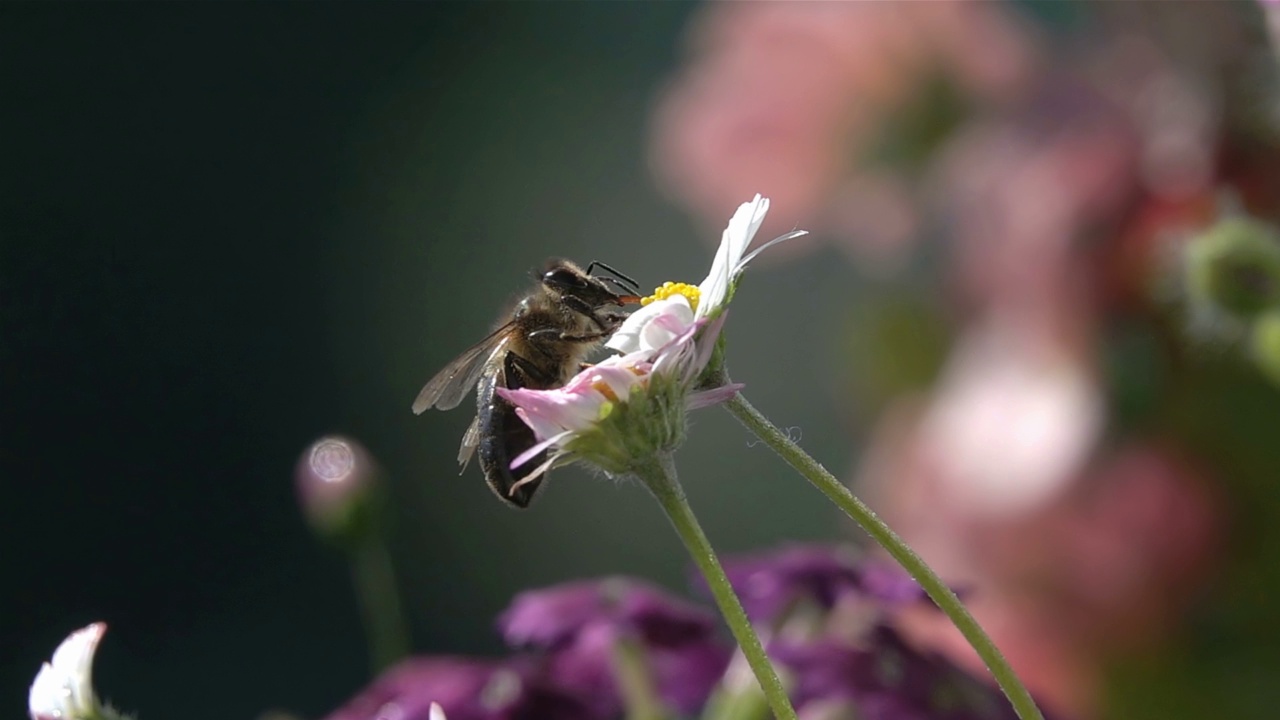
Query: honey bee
[(551, 331)]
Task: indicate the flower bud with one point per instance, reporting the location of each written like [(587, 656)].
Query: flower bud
[(1234, 267), (338, 483)]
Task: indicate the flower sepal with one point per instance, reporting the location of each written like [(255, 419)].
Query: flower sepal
[(651, 421)]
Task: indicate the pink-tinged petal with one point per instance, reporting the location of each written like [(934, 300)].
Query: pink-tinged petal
[(542, 425), (535, 473), (673, 359), (533, 452), (707, 342), (675, 354), (538, 421), (581, 384), (619, 380), (436, 712), (550, 411), (618, 374), (675, 317), (558, 415), (715, 396), (610, 367)]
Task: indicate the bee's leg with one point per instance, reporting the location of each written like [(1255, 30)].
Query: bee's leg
[(533, 375), (580, 306), (568, 337), (587, 338), (614, 319)]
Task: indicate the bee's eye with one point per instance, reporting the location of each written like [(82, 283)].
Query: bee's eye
[(562, 279)]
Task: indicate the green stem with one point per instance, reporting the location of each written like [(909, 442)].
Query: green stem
[(631, 668), (660, 477), (738, 697), (379, 603), (835, 490)]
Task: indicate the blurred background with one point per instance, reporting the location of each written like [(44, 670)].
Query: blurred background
[(228, 230)]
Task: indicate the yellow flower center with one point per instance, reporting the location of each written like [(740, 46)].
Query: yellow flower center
[(691, 292)]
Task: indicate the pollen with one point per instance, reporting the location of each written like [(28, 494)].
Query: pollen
[(673, 288), (603, 388)]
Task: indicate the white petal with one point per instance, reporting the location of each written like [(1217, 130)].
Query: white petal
[(675, 318), (626, 339), (640, 332), (437, 712), (733, 243), (537, 448), (742, 265), (47, 698), (64, 687)]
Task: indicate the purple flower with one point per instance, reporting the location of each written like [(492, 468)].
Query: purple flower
[(889, 584), (771, 584), (465, 689), (580, 625), (553, 616), (888, 679)]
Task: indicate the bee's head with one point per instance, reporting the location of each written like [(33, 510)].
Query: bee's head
[(565, 279)]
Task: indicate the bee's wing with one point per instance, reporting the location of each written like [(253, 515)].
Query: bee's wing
[(470, 441), (447, 389)]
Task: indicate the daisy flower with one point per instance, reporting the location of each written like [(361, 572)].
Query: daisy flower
[(674, 307), (632, 406)]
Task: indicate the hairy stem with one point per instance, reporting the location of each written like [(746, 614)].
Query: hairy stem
[(866, 518), (660, 477)]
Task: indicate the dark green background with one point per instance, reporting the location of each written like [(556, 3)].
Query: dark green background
[(226, 229)]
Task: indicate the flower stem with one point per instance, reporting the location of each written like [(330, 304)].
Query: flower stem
[(379, 598), (937, 590), (631, 669), (738, 697), (660, 477)]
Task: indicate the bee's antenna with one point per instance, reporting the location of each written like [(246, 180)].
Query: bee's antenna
[(618, 278)]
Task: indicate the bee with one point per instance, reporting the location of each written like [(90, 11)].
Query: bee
[(551, 331)]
